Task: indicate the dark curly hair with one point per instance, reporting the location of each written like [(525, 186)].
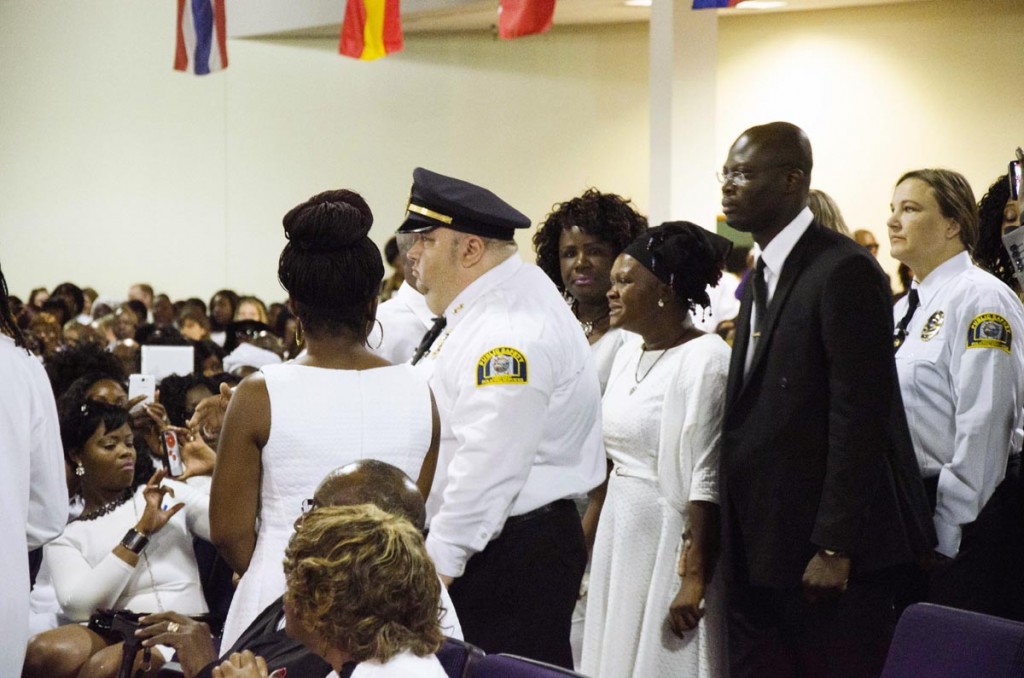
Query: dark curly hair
[(989, 253), (330, 267), (69, 363), (685, 256), (8, 323), (606, 216)]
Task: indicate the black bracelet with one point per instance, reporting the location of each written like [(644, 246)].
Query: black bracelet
[(134, 541)]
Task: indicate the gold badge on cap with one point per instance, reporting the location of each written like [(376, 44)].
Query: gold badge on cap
[(990, 330), (931, 328), (502, 365)]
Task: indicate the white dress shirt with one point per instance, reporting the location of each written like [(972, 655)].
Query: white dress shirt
[(774, 255), (963, 388), (33, 493), (520, 408), (404, 319)]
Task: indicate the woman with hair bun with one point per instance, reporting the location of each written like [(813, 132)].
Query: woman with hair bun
[(657, 540), (288, 425)]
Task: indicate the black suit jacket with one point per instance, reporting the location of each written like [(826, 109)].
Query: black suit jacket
[(816, 451), (264, 639)]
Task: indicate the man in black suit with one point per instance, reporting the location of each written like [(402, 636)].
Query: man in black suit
[(824, 513)]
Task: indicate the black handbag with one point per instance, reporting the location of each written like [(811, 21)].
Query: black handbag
[(121, 625)]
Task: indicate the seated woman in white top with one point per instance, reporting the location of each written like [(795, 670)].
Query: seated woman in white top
[(131, 547), (361, 588)]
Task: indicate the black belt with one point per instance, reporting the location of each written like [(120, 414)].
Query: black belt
[(557, 505)]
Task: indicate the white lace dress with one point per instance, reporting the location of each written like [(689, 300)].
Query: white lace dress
[(662, 435), (321, 419)]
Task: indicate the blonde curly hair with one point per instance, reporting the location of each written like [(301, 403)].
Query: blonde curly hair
[(360, 580)]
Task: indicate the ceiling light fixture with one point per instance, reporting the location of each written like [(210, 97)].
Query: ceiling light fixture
[(637, 3), (760, 4)]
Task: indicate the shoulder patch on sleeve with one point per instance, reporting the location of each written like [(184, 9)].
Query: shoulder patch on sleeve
[(990, 330), (502, 365)]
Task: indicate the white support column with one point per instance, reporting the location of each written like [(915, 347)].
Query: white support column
[(683, 73)]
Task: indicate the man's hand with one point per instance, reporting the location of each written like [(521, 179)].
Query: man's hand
[(685, 611), (826, 576), (189, 637)]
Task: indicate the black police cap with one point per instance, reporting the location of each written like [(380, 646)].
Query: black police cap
[(440, 201)]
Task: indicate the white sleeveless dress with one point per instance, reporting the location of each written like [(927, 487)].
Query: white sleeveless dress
[(321, 419)]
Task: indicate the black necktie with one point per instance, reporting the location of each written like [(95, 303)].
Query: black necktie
[(428, 338), (901, 328), (760, 299)]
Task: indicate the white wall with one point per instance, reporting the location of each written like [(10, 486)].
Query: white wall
[(881, 90), (114, 168)]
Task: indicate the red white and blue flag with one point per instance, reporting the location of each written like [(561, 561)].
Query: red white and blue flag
[(202, 37), (714, 4)]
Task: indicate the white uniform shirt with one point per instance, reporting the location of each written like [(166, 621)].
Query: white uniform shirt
[(520, 408), (33, 493), (961, 371), (404, 319)]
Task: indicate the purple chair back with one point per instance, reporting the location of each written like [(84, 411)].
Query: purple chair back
[(510, 666), (458, 657), (940, 642)]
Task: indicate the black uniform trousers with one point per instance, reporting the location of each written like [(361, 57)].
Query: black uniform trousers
[(987, 574), (517, 595)]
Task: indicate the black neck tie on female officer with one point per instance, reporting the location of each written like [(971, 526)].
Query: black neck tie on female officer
[(428, 339), (901, 328)]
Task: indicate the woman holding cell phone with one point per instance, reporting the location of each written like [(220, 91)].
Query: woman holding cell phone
[(131, 547)]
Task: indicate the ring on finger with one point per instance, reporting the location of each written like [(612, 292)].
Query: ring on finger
[(172, 627)]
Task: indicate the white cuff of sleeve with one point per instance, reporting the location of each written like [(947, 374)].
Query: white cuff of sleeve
[(449, 559), (949, 538)]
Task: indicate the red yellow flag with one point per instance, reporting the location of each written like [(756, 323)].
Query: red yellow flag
[(517, 18), (371, 29)]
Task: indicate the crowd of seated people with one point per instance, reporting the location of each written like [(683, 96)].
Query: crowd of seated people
[(288, 424)]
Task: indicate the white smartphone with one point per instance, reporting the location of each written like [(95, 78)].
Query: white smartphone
[(141, 384)]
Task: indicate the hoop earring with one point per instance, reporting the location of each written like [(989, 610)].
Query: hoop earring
[(661, 303), (79, 470), (379, 343)]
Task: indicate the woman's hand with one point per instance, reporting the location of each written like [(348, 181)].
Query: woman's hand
[(155, 517), (242, 665), (199, 458), (209, 415), (685, 611), (190, 638)]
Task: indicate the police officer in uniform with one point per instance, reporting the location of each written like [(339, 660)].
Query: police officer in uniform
[(961, 370), (519, 401)]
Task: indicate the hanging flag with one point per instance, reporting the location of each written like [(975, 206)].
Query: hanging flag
[(202, 36), (517, 18), (713, 4), (371, 29)]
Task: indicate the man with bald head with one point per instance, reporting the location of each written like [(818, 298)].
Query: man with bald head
[(823, 507), (366, 481)]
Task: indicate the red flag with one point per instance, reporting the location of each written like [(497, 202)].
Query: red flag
[(371, 29), (517, 18)]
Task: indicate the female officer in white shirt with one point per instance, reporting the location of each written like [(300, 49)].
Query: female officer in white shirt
[(961, 371)]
